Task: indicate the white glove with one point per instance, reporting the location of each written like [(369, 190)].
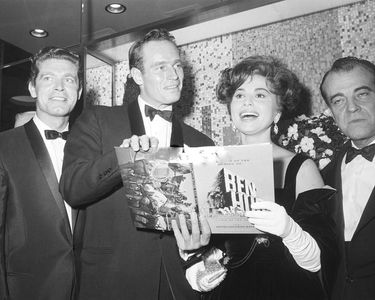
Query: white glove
[(208, 273), (270, 217)]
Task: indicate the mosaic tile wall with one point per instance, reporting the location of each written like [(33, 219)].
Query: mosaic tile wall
[(204, 61), (357, 23), (307, 44), (122, 70), (99, 86)]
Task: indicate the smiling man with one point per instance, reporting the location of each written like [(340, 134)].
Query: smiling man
[(117, 261), (348, 88), (36, 244)]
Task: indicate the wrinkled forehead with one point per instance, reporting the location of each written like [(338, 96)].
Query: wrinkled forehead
[(341, 80), (61, 62), (159, 51), (58, 65)]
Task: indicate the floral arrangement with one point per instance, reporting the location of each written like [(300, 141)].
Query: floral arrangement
[(318, 136)]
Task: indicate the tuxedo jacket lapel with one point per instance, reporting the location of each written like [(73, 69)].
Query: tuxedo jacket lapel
[(135, 117), (177, 137), (339, 217), (46, 166), (368, 213), (332, 177)]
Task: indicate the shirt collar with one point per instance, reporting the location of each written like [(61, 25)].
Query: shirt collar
[(43, 126), (354, 146), (142, 103)]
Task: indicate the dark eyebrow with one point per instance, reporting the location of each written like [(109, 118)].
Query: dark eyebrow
[(263, 89), (364, 87), (256, 90)]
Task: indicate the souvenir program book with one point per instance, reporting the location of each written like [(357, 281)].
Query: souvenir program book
[(218, 182)]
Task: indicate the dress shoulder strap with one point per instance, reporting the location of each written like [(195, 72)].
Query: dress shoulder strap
[(291, 173)]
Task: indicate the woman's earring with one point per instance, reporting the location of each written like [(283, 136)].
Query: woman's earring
[(275, 128), (275, 121)]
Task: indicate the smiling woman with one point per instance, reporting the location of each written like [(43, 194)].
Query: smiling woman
[(284, 262), (257, 91)]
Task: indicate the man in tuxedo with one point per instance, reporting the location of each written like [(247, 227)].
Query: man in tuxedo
[(36, 244), (348, 88), (116, 260)]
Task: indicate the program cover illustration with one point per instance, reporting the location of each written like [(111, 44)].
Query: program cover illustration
[(218, 182)]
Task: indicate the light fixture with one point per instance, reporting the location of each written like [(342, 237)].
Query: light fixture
[(39, 33), (115, 8), (23, 100)]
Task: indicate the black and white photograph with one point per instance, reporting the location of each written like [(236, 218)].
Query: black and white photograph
[(187, 150)]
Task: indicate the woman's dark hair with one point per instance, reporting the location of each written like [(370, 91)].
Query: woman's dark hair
[(280, 80)]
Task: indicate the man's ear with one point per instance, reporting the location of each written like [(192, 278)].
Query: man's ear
[(137, 75), (32, 90)]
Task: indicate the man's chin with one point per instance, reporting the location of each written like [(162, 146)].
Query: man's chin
[(61, 113), (357, 134), (172, 100)]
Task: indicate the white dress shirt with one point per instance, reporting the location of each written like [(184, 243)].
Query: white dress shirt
[(357, 185), (55, 149), (158, 127)]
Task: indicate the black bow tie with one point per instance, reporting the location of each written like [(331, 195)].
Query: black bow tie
[(53, 134), (367, 152), (151, 112)]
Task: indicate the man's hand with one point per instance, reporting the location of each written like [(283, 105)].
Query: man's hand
[(199, 236), (141, 143)]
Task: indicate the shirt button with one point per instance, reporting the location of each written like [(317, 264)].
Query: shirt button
[(349, 279)]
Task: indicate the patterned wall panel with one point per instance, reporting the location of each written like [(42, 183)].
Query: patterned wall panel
[(203, 62), (357, 23), (307, 44), (99, 86), (122, 70)]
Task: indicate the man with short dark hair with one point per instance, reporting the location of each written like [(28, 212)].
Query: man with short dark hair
[(116, 260), (36, 243), (348, 88)]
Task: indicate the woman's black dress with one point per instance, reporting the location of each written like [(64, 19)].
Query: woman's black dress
[(270, 271)]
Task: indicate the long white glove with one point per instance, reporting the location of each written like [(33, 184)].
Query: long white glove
[(272, 218), (207, 274)]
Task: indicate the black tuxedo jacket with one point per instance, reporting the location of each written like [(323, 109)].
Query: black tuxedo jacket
[(37, 260), (356, 273), (117, 261)]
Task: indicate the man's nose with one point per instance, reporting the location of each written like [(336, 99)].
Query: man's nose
[(352, 104), (172, 72), (59, 84)]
